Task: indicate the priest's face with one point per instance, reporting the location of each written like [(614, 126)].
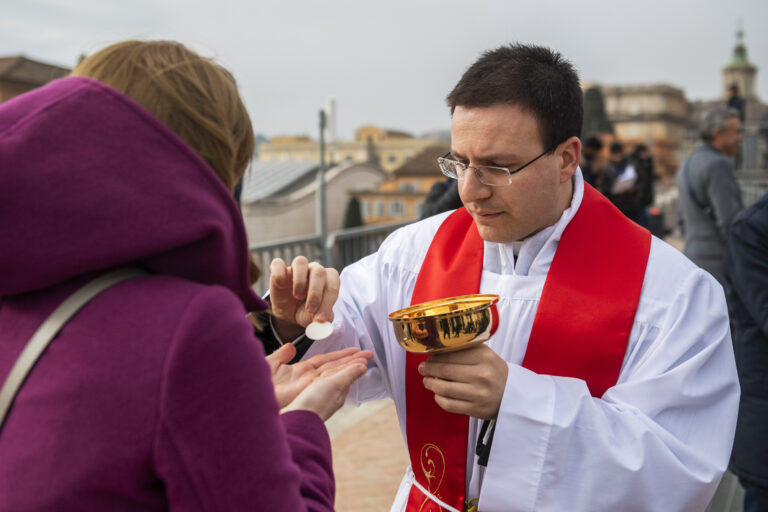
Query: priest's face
[(503, 135)]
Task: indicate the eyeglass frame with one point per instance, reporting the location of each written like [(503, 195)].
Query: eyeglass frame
[(478, 172)]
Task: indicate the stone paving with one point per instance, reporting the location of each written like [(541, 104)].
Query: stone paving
[(369, 456)]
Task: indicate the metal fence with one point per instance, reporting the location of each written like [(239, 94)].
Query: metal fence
[(752, 189), (753, 186), (343, 247)]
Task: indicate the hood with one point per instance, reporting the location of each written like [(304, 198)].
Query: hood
[(89, 180)]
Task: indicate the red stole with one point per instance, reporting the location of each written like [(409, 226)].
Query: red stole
[(581, 328)]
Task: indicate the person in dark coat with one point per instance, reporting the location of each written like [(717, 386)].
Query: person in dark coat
[(442, 197), (643, 162), (623, 192), (590, 159), (746, 274), (735, 101)]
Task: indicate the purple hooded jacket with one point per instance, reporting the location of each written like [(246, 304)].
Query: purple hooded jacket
[(156, 396)]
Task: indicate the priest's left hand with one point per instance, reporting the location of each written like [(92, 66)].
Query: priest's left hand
[(468, 382)]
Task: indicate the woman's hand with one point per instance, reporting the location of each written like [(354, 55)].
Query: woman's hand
[(291, 379), (326, 394)]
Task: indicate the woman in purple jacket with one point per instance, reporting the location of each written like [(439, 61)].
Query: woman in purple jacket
[(156, 395)]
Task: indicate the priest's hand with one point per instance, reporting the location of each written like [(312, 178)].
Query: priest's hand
[(300, 294), (467, 382)]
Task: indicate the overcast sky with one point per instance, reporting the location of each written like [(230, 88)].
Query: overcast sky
[(391, 63)]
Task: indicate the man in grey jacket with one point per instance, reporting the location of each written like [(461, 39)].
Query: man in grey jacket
[(709, 196)]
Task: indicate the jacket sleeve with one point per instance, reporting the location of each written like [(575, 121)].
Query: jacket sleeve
[(723, 194), (220, 442), (746, 254)]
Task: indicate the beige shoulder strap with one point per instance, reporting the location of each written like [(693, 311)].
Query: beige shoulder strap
[(51, 327)]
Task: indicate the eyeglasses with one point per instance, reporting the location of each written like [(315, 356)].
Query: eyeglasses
[(487, 174)]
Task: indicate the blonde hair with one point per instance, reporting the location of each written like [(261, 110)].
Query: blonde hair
[(192, 95)]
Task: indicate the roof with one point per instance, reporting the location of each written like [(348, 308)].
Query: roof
[(23, 70), (265, 179), (739, 59), (423, 163)]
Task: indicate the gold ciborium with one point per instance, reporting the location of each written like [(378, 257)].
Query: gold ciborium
[(445, 325)]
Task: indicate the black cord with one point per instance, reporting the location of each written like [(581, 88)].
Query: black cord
[(483, 450)]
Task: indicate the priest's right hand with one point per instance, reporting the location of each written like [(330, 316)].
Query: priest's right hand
[(302, 293)]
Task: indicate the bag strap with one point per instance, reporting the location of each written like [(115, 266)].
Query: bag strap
[(51, 327)]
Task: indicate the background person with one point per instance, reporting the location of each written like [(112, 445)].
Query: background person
[(643, 163), (590, 159), (156, 395), (624, 189), (746, 275), (443, 196), (709, 196)]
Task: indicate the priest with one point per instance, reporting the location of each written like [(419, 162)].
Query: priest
[(610, 381)]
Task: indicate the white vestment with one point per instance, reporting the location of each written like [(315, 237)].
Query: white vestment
[(659, 440)]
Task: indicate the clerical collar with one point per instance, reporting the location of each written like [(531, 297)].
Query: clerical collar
[(516, 247), (518, 257)]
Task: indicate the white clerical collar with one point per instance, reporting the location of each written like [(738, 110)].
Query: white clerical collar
[(507, 259)]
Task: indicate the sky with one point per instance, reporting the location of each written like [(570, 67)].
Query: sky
[(391, 63)]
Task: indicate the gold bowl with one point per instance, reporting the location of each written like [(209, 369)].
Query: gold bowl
[(446, 325)]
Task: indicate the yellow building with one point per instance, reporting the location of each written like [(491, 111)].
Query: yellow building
[(386, 148), (401, 197)]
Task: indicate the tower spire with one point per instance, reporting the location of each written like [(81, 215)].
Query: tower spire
[(740, 72)]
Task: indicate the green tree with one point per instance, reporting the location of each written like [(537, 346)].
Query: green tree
[(352, 217), (595, 119)]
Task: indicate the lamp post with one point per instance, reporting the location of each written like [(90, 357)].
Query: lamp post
[(322, 225)]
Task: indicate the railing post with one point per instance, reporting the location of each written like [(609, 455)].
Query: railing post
[(322, 225)]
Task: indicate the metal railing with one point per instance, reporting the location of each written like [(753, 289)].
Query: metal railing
[(343, 247), (349, 245), (309, 246), (753, 187)]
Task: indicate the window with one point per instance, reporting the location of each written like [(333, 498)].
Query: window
[(392, 159), (407, 187), (419, 209), (365, 208), (379, 209), (396, 209)]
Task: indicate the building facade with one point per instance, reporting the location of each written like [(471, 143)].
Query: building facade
[(656, 115), (19, 74), (660, 116), (386, 148), (279, 199), (401, 197)]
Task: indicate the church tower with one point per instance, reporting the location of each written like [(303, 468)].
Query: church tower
[(740, 71)]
